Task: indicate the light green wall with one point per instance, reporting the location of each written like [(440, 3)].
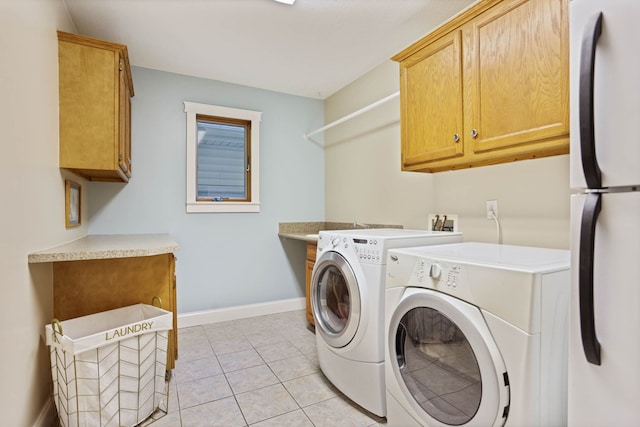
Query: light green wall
[(225, 259)]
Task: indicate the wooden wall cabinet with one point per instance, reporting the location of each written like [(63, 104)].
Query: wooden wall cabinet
[(489, 86), (95, 89), (310, 262)]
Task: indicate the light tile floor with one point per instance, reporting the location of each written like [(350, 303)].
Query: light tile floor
[(261, 371)]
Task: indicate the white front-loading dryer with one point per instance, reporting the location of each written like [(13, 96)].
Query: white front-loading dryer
[(347, 297), (476, 335)]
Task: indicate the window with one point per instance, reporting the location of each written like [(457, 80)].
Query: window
[(222, 159)]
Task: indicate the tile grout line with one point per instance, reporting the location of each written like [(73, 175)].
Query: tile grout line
[(280, 382), (243, 330)]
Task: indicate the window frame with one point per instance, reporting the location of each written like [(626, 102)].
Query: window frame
[(193, 205)]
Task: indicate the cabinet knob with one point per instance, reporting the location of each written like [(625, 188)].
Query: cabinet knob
[(474, 133), (456, 137)]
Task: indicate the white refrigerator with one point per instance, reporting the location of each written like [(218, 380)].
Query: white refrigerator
[(604, 335)]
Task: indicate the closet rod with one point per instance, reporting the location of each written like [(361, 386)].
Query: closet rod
[(352, 115)]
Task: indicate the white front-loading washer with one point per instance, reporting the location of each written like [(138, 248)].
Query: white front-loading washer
[(476, 334), (347, 296)]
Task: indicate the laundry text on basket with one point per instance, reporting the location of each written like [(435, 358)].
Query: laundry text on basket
[(133, 329)]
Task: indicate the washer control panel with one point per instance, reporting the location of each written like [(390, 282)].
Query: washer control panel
[(368, 251)]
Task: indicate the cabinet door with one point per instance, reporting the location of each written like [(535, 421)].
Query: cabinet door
[(431, 89), (309, 264), (518, 57), (308, 271), (88, 127)]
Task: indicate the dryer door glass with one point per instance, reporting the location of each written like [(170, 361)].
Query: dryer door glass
[(438, 366), (445, 361), (335, 299)]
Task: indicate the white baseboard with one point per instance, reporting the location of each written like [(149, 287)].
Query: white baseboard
[(198, 318), (47, 414)]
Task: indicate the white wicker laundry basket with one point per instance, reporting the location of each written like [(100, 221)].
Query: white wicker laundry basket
[(109, 368)]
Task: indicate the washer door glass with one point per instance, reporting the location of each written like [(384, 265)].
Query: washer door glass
[(335, 299), (446, 361), (438, 366)]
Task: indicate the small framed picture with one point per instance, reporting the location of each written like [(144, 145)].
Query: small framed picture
[(73, 203)]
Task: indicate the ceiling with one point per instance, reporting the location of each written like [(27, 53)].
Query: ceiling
[(312, 48)]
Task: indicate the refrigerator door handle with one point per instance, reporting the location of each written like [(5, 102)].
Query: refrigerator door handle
[(590, 213), (590, 37)]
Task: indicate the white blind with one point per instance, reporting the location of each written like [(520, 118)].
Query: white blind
[(221, 161)]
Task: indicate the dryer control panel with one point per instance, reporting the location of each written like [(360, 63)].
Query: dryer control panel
[(443, 276)]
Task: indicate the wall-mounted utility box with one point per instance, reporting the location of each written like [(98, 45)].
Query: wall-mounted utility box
[(443, 222)]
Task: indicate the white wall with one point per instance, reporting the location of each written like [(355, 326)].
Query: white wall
[(364, 181), (32, 191), (533, 201), (225, 259)]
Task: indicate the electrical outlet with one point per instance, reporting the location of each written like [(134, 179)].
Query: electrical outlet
[(492, 207)]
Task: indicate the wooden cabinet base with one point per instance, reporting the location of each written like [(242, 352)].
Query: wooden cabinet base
[(81, 288)]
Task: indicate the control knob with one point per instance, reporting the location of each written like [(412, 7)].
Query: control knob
[(435, 271)]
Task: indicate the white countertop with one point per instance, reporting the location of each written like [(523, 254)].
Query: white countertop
[(102, 246)]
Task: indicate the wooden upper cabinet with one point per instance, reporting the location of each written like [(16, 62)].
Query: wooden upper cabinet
[(512, 87), (432, 102), (95, 90), (519, 74)]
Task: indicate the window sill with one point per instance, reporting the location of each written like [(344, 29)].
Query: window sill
[(223, 207)]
